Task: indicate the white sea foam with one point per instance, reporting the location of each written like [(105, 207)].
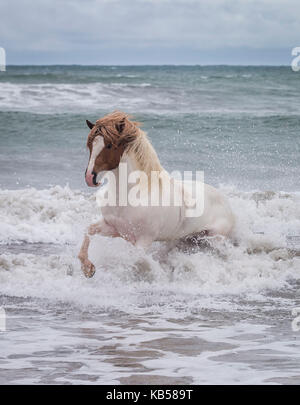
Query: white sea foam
[(46, 216), (143, 97), (130, 279), (63, 97)]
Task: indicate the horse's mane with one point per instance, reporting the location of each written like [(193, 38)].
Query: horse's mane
[(118, 128)]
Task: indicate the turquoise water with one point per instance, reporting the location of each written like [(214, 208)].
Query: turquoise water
[(220, 313)]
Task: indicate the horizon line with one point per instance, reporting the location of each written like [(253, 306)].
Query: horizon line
[(148, 64)]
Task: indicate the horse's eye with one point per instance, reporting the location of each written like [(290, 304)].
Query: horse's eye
[(109, 145)]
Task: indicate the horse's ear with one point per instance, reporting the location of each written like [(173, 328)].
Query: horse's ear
[(120, 126), (90, 124)]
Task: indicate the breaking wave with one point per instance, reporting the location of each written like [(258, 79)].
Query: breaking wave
[(67, 97), (49, 98), (41, 231)]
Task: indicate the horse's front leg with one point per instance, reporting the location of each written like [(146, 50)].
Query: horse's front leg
[(101, 228), (86, 265)]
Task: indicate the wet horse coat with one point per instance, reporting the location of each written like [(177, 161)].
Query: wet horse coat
[(115, 141)]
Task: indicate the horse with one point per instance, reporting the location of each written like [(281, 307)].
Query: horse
[(115, 142)]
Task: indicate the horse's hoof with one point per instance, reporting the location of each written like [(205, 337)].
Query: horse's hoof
[(89, 270)]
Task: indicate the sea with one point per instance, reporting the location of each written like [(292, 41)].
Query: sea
[(221, 312)]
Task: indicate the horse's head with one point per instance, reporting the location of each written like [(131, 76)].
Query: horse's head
[(107, 141)]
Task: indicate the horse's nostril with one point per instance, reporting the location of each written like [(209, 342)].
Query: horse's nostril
[(94, 178), (85, 172)]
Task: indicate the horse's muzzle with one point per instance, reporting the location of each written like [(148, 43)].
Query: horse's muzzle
[(91, 179)]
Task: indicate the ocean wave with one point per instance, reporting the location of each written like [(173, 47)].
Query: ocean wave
[(65, 77), (46, 216), (134, 96), (257, 259), (133, 280), (62, 97)]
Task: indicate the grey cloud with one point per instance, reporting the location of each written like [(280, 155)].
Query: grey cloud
[(101, 25)]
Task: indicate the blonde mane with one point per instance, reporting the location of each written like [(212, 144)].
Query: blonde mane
[(118, 129), (144, 154)]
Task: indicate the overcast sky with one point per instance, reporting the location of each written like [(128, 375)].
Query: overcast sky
[(149, 31)]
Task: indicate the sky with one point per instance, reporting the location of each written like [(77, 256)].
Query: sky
[(129, 32)]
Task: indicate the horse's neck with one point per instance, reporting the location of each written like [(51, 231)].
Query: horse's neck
[(142, 158), (127, 166)]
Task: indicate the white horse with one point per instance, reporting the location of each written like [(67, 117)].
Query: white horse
[(113, 141)]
